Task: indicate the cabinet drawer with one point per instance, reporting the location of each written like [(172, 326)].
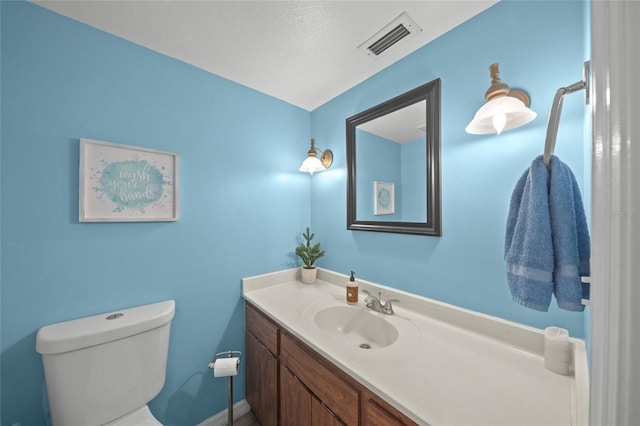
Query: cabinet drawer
[(337, 394), (262, 328)]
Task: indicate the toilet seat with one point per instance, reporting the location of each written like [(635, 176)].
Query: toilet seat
[(140, 417)]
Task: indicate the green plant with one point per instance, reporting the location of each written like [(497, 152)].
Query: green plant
[(308, 253)]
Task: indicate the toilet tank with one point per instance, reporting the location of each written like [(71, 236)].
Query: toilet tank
[(100, 368)]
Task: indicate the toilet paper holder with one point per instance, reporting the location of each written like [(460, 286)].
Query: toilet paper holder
[(221, 355), (225, 354)]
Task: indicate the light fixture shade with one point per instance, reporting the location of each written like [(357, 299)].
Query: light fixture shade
[(311, 164), (515, 112)]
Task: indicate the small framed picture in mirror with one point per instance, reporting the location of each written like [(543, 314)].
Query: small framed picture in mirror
[(384, 198)]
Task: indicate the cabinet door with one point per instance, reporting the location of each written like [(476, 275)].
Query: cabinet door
[(322, 378), (376, 412), (295, 400), (261, 381), (321, 416)]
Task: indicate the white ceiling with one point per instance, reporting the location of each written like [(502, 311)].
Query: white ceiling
[(303, 52), (401, 126)]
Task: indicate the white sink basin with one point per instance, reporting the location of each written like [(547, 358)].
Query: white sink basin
[(357, 326)]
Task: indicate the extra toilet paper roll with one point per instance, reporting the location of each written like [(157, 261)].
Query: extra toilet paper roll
[(557, 367), (224, 367), (556, 340), (557, 354)]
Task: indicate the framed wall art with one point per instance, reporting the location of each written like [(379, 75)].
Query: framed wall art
[(124, 183), (383, 198)]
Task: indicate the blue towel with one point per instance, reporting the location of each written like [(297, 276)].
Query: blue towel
[(547, 244), (528, 245), (570, 234)]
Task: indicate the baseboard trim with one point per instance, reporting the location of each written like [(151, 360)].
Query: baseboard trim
[(240, 408)]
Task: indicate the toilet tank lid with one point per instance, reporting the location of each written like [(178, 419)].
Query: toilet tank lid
[(90, 331)]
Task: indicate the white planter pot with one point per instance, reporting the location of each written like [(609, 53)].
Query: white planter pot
[(309, 275)]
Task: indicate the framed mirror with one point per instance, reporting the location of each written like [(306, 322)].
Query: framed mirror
[(393, 165)]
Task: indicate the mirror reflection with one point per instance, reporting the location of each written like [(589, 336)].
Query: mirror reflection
[(393, 152)]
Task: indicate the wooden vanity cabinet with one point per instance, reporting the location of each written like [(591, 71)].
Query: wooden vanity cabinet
[(262, 365), (289, 384), (322, 416), (376, 412), (295, 400), (298, 406), (335, 389)]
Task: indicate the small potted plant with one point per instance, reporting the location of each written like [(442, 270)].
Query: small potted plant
[(309, 254)]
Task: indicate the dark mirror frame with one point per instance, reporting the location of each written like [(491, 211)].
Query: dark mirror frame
[(433, 226)]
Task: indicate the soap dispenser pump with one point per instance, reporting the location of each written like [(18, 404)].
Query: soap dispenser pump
[(352, 290)]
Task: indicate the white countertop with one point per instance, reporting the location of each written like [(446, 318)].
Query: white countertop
[(449, 366)]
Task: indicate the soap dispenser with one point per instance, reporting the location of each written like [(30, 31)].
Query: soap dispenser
[(352, 290)]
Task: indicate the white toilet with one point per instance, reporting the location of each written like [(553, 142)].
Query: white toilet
[(104, 369)]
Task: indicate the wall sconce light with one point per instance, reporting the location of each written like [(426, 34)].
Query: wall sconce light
[(312, 164), (505, 109)]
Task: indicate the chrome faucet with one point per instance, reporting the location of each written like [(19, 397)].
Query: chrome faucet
[(376, 304)]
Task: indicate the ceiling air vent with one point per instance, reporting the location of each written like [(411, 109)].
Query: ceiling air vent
[(400, 28), (389, 39)]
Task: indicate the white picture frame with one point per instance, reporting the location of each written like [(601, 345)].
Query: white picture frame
[(125, 183), (383, 198)]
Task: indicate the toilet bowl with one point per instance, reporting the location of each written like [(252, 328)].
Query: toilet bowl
[(104, 369), (140, 417)]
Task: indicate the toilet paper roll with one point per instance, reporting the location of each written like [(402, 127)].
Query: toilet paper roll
[(557, 355), (558, 367), (224, 367), (556, 338)]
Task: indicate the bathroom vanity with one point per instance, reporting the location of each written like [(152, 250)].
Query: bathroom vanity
[(312, 359)]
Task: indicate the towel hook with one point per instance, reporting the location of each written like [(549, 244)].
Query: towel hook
[(556, 110)]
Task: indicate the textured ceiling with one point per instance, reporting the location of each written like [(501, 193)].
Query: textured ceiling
[(302, 52)]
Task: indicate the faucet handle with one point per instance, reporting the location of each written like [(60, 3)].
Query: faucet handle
[(369, 295), (388, 307)]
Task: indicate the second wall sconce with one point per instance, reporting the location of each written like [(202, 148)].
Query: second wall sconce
[(314, 164), (505, 109)]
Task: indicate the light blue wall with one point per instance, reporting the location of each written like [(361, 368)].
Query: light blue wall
[(414, 176), (242, 202), (243, 206), (539, 46), (383, 158)]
